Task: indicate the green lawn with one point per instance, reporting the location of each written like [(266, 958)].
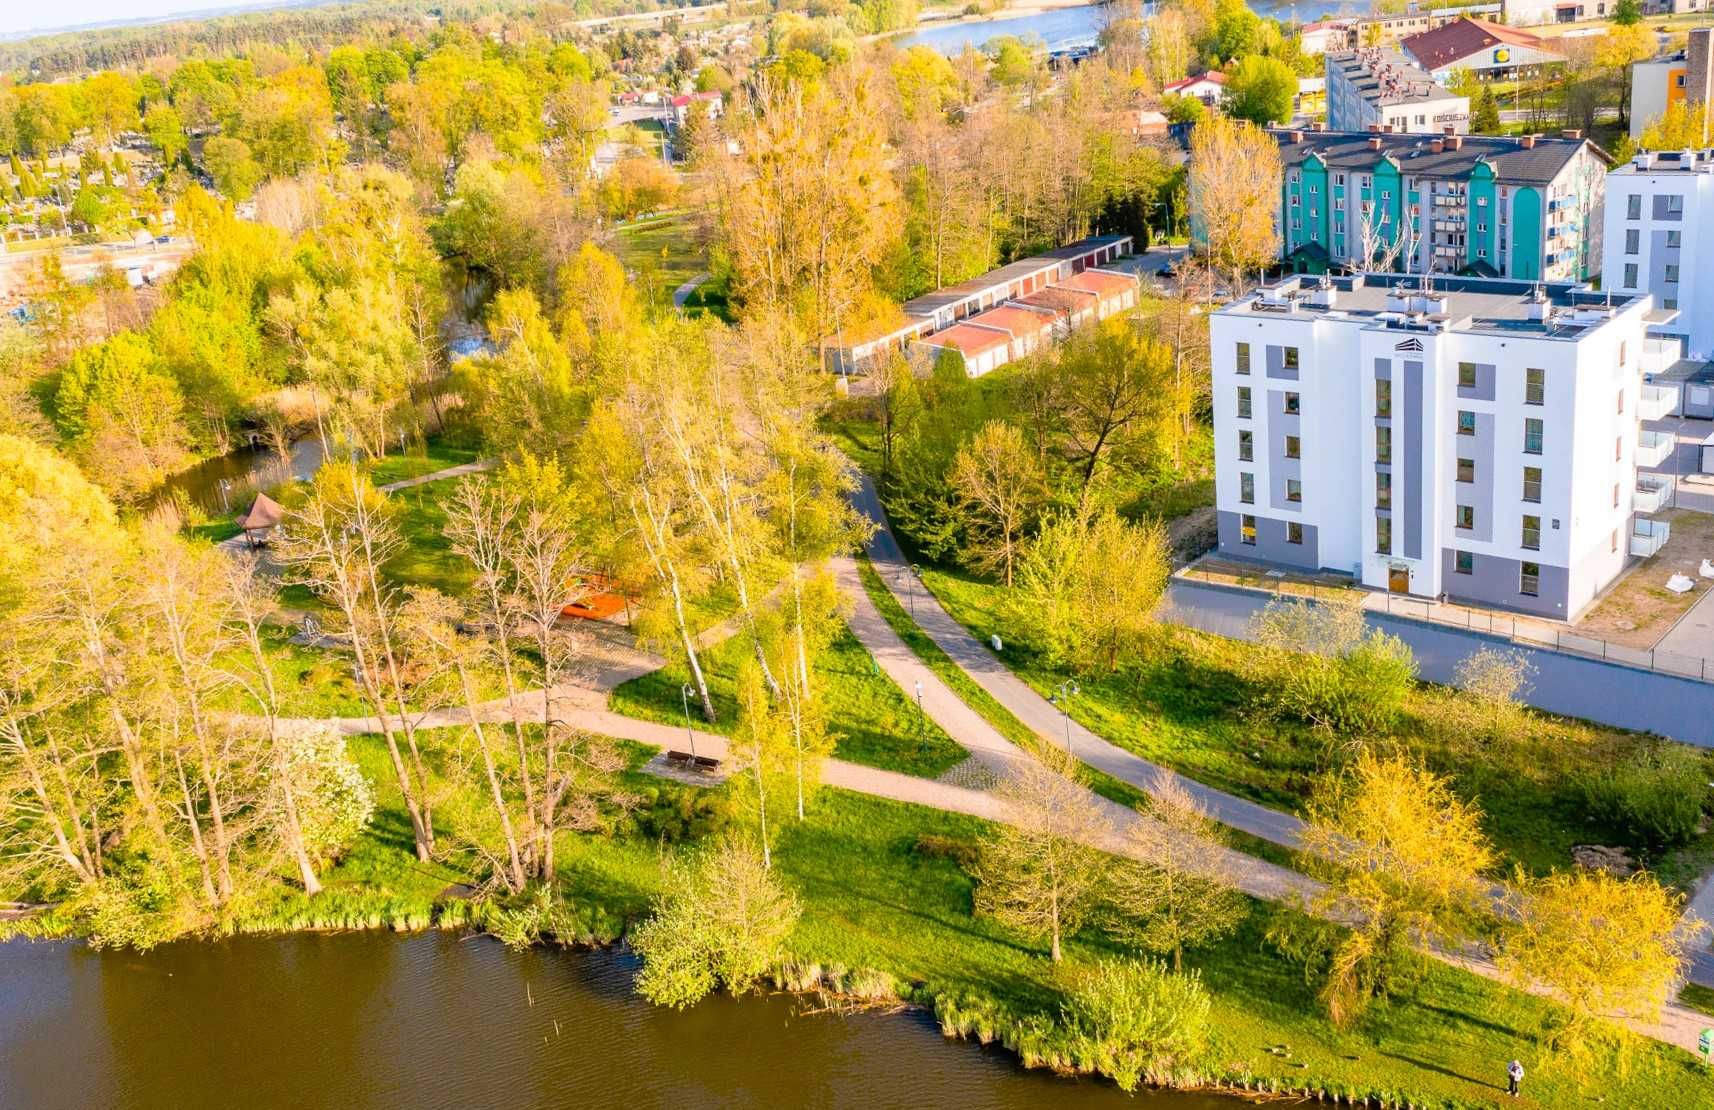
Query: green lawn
[(1189, 705), (874, 721), (874, 899), (436, 454), (428, 558)]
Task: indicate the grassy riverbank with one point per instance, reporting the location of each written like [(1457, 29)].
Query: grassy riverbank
[(883, 892)]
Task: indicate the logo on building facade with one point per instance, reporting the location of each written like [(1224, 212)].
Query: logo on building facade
[(1502, 55), (1410, 346)]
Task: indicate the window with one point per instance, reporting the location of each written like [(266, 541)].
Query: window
[(1615, 495), (1383, 397), (1529, 579), (1618, 448), (1671, 276), (1630, 275), (1675, 239), (1669, 303), (1621, 402), (1244, 401), (1243, 358), (1383, 489), (1293, 490), (1466, 516), (1247, 488), (1466, 375), (1384, 535), (1532, 437), (1466, 470), (1290, 358), (1246, 446), (1463, 562), (1293, 532), (1633, 240), (1291, 404), (1634, 207), (1466, 423), (1247, 530), (1532, 533), (1674, 205), (1532, 484), (1613, 541), (1535, 386), (1383, 445), (1293, 447)]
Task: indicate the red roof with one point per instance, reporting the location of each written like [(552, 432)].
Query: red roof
[(1213, 75), (1461, 38), (1061, 300), (969, 340), (1099, 282), (1018, 321)]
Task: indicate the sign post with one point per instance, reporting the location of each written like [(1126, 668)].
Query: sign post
[(1705, 1041)]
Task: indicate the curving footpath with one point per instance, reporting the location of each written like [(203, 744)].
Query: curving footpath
[(1035, 711)]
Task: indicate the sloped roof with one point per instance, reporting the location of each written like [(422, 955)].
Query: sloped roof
[(1018, 321), (1212, 75), (264, 512), (1513, 163), (1099, 282), (967, 339), (1455, 41)]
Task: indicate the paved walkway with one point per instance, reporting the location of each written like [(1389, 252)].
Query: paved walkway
[(1035, 711), (683, 292), (459, 471), (1693, 634)]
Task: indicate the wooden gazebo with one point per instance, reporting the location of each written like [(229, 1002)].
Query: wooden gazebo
[(261, 518)]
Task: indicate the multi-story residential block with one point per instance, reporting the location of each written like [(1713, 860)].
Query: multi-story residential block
[(1525, 207), (1658, 238), (1658, 84), (1379, 87), (1383, 30), (1477, 440)]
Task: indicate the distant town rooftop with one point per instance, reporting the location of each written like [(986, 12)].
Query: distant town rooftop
[(1554, 310), (1528, 159), (1384, 76)]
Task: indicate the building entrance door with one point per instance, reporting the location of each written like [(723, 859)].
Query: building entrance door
[(1398, 580)]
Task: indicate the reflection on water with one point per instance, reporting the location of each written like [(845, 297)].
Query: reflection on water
[(377, 1020), (223, 484), (1062, 28)]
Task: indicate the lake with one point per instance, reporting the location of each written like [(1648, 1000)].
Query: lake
[(449, 1019)]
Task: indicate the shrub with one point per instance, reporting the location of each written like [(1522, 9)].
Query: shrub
[(1134, 1019), (964, 853), (673, 814), (1654, 798)]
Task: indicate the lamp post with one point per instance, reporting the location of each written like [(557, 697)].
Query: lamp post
[(1062, 697), (921, 717), (689, 734)]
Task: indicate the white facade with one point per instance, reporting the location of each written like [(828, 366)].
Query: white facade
[(1659, 239), (1472, 442), (1379, 87)]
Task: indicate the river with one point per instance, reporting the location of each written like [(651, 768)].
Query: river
[(442, 1019), (1062, 28)]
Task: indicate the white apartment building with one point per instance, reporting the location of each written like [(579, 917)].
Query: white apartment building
[(1378, 86), (1477, 441), (1659, 222)]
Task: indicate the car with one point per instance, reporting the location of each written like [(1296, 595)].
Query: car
[(163, 239)]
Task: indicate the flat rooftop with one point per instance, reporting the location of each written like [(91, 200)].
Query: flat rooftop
[(1384, 75), (1669, 161), (1555, 310)]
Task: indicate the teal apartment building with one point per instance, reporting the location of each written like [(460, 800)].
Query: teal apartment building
[(1526, 207)]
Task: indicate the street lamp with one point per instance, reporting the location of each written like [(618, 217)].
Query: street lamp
[(921, 717), (689, 735), (1062, 698)]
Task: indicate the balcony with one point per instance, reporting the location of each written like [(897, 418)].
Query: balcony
[(1653, 492), (1648, 536), (1658, 402), (1654, 448), (1658, 354)]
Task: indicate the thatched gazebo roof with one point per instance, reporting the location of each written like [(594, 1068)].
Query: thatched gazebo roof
[(263, 513)]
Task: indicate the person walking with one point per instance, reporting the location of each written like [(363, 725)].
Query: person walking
[(1514, 1076)]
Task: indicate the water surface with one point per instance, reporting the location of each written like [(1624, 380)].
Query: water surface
[(446, 1020)]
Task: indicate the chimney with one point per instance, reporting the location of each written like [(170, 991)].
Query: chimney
[(1374, 129), (1449, 130), (1436, 146), (1571, 133), (1455, 142), (1297, 136), (1527, 142), (1374, 143)]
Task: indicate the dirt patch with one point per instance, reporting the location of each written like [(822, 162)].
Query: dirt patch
[(1639, 610), (1195, 533)]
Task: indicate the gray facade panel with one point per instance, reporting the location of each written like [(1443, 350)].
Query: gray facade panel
[(1494, 581), (1660, 212), (1479, 495), (1414, 478), (1271, 545), (1281, 468), (1276, 364), (1660, 256), (1483, 390)]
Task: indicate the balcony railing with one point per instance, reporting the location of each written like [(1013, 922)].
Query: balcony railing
[(1658, 354), (1653, 492), (1654, 448), (1658, 402), (1648, 536)]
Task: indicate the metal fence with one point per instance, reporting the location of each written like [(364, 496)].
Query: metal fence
[(1519, 630)]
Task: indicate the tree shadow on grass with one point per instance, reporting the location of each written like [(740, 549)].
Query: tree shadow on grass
[(1440, 1070)]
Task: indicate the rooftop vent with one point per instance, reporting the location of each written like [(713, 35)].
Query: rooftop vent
[(1324, 294), (1536, 308), (1571, 133), (1456, 142), (1527, 142), (1436, 146), (1374, 143), (1644, 160)]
